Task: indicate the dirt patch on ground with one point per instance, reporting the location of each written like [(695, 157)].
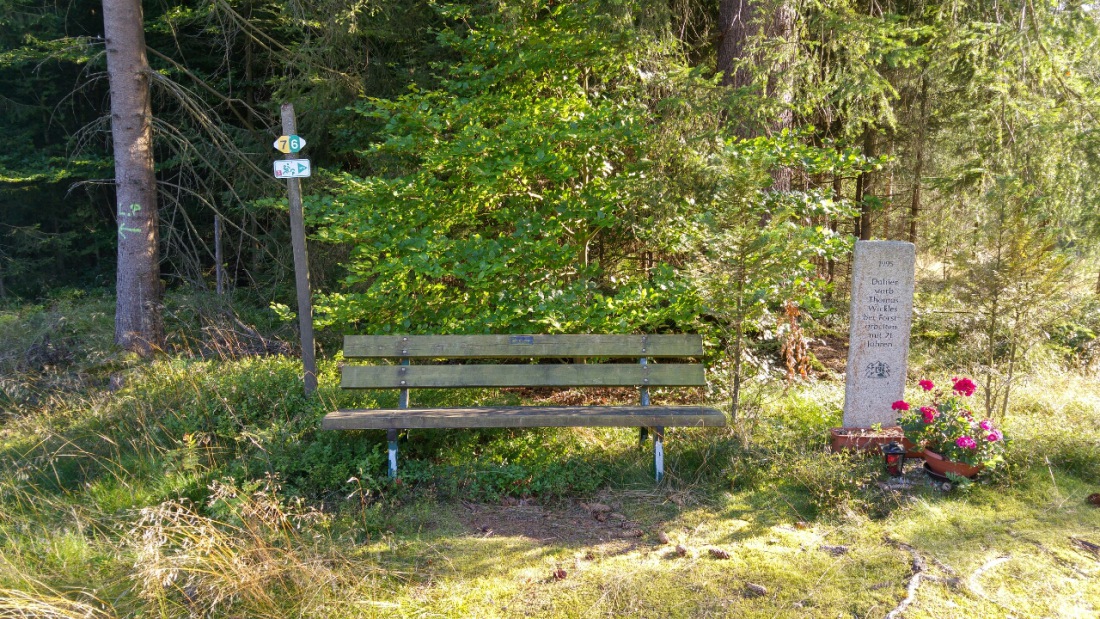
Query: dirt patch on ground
[(832, 352), (577, 524)]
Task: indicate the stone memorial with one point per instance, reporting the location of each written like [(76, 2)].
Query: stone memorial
[(878, 342)]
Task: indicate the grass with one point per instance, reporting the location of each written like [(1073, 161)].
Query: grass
[(202, 488)]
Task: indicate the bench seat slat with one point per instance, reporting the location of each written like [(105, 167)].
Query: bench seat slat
[(524, 417), (530, 346), (530, 375)]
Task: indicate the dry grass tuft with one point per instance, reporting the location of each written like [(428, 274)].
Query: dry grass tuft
[(15, 604), (255, 562)]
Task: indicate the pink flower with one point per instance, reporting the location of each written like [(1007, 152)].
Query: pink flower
[(929, 413), (900, 405), (994, 436), (965, 386), (986, 425), (966, 442), (926, 385)]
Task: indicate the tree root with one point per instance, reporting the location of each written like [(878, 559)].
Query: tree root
[(973, 587), (910, 595), (976, 589), (1087, 546), (919, 568)]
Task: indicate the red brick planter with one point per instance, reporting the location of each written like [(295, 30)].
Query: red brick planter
[(870, 440)]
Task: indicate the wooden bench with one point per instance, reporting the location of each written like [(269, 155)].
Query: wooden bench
[(604, 368)]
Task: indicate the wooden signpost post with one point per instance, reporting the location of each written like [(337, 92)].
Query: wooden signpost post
[(292, 170)]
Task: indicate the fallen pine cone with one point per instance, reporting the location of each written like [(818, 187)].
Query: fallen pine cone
[(755, 590), (662, 537), (559, 574), (1094, 498), (681, 551), (718, 553)]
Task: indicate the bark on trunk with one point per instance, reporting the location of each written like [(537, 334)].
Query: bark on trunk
[(219, 272), (736, 25), (739, 21), (918, 171), (137, 316), (888, 190), (833, 224), (863, 221)]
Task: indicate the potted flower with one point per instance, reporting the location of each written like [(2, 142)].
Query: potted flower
[(954, 440)]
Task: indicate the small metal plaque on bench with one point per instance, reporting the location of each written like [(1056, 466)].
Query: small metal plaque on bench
[(523, 340)]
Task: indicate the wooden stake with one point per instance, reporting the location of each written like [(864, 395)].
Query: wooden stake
[(301, 260)]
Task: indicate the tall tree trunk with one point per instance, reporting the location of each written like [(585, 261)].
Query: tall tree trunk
[(863, 221), (833, 224), (736, 27), (738, 352), (219, 272), (918, 171), (888, 190), (739, 21), (137, 316)]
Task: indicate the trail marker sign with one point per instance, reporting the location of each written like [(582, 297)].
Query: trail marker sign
[(289, 143), (292, 168)]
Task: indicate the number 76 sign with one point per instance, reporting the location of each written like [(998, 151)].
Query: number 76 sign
[(289, 143)]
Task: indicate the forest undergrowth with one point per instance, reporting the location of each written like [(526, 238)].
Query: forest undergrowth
[(199, 484)]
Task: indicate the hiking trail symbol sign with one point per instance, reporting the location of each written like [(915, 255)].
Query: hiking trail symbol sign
[(292, 168)]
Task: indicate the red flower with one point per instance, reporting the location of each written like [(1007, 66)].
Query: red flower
[(929, 414), (926, 384), (965, 386), (900, 405)]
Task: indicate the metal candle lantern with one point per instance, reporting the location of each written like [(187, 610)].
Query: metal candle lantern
[(895, 459)]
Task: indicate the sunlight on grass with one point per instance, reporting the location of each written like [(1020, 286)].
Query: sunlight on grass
[(202, 488)]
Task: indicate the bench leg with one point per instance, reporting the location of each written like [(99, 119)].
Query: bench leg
[(659, 452), (391, 436)]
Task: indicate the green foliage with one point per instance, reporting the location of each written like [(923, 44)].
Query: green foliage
[(523, 190), (1076, 335), (56, 347), (564, 150), (752, 247)]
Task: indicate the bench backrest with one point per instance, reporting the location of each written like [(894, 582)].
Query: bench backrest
[(406, 348)]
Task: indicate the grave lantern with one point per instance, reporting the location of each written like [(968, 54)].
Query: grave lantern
[(895, 459)]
